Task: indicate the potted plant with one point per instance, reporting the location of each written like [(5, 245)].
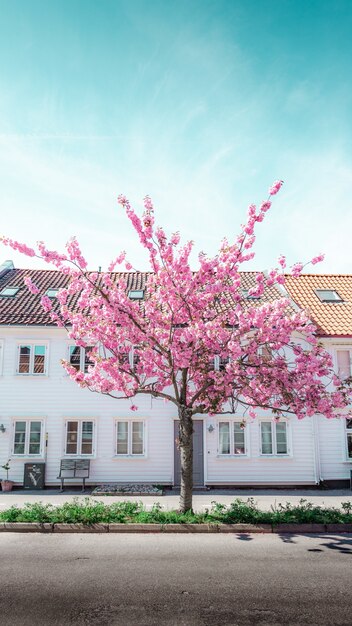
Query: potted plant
[(6, 485)]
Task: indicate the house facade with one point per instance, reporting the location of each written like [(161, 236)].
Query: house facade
[(45, 417)]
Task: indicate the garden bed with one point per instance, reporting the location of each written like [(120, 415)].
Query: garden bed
[(127, 489), (240, 516)]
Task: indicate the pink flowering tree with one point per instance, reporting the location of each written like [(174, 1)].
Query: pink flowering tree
[(195, 340)]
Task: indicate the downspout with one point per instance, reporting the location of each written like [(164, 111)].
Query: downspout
[(316, 450)]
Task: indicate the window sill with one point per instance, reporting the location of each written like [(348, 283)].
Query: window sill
[(232, 456), (30, 457), (129, 456), (78, 456), (31, 375), (276, 456)]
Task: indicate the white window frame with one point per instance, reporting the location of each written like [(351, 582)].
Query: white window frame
[(347, 431), (343, 348), (81, 356), (32, 344), (274, 453), (26, 452), (79, 452), (2, 343), (130, 454), (232, 453)]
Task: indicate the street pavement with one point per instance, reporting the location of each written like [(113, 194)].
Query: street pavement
[(202, 499), (176, 580)]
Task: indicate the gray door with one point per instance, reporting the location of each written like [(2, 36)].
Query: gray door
[(198, 463)]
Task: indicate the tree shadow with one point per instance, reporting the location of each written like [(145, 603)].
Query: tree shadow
[(244, 537), (340, 543)]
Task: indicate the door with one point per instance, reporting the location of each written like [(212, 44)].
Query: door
[(198, 459)]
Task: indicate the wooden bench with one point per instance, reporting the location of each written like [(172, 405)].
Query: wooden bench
[(74, 468)]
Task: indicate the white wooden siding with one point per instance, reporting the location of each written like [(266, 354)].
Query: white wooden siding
[(54, 398)]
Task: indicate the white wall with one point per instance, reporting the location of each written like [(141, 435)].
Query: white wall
[(55, 397)]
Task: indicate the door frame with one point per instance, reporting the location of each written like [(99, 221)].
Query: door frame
[(205, 475)]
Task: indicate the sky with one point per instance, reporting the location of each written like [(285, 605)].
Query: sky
[(201, 104)]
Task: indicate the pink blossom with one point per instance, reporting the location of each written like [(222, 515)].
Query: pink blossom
[(133, 407), (275, 187), (31, 286), (46, 303), (318, 259)]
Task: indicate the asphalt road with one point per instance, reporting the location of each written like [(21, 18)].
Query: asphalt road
[(122, 580)]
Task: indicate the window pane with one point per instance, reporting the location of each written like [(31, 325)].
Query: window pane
[(87, 361), (349, 445), (87, 438), (34, 437), (75, 357), (224, 438), (71, 437), (349, 424), (23, 366), (122, 438), (137, 437), (267, 442), (238, 439), (20, 437), (281, 438), (39, 359), (343, 363)]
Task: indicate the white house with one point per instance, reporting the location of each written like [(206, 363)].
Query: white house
[(45, 417)]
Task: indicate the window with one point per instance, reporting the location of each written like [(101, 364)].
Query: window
[(232, 439), (32, 359), (273, 438), (328, 295), (79, 357), (130, 438), (9, 292), (136, 294), (219, 363), (79, 437), (52, 292), (27, 437), (349, 438), (343, 358)]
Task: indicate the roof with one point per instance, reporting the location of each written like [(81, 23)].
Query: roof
[(331, 318), (25, 309)]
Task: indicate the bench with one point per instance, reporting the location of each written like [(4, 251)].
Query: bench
[(74, 468)]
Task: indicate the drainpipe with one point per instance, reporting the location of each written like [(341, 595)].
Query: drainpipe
[(316, 450)]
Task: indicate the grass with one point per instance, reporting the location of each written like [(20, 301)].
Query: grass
[(239, 511)]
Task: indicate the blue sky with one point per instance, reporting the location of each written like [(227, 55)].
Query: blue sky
[(201, 104)]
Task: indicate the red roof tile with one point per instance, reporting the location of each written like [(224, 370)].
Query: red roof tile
[(331, 318)]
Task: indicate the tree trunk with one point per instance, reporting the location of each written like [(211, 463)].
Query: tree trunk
[(186, 450)]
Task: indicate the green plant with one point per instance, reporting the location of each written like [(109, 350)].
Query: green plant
[(6, 467), (89, 512)]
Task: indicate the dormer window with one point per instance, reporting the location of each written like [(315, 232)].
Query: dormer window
[(52, 292), (9, 292), (136, 294), (248, 296), (328, 295)]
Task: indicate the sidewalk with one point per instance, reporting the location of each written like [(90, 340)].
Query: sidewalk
[(265, 498)]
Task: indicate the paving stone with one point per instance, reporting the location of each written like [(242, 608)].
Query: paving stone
[(80, 528), (28, 527), (134, 528), (299, 528), (339, 528), (245, 528)]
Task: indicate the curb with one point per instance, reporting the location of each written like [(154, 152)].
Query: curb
[(37, 527)]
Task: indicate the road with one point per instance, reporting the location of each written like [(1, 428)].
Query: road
[(177, 580)]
